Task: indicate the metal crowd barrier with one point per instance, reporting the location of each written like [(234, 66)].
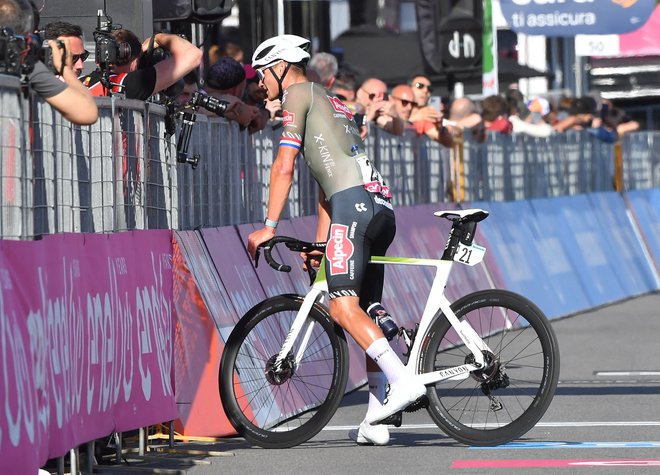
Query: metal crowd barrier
[(115, 175), (121, 172)]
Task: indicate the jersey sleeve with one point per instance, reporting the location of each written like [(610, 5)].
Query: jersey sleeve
[(295, 106)]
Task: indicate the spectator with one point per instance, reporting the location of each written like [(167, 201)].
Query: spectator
[(463, 116), (226, 81), (344, 86), (257, 97), (494, 112), (67, 96), (521, 117), (141, 83), (190, 85), (422, 89), (580, 116), (372, 97), (232, 50), (325, 64), (59, 30), (403, 98)]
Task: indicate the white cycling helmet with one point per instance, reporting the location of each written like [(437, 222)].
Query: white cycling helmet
[(290, 48)]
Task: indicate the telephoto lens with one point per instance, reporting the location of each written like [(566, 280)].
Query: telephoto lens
[(209, 103)]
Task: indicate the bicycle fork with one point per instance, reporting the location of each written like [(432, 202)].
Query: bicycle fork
[(301, 326)]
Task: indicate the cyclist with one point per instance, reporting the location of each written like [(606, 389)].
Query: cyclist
[(355, 215)]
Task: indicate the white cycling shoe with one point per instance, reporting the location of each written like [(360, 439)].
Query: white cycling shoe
[(400, 396), (366, 434)]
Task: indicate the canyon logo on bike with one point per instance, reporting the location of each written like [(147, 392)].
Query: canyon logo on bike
[(340, 249)]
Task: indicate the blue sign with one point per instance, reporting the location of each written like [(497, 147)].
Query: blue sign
[(576, 17)]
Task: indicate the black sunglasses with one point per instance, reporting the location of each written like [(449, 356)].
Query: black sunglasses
[(84, 55), (404, 102), (420, 85)]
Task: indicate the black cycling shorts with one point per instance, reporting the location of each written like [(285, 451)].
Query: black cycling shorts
[(362, 225)]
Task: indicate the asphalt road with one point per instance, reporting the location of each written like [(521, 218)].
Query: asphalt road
[(605, 418)]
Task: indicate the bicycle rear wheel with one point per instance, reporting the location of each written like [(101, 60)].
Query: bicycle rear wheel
[(288, 406), (505, 400)]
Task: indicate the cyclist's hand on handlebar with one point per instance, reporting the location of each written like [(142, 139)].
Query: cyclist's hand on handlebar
[(313, 257), (258, 237)]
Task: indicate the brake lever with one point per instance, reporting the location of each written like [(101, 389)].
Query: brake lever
[(310, 269)]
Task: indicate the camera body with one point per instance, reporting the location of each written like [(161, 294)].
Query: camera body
[(19, 53), (108, 50)]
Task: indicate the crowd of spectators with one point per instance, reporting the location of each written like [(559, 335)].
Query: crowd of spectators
[(224, 75)]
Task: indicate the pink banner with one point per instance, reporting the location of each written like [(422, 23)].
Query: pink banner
[(85, 341)]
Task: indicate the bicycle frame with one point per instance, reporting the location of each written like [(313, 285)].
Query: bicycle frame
[(466, 254)]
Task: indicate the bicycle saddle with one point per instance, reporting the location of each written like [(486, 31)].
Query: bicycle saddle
[(463, 215)]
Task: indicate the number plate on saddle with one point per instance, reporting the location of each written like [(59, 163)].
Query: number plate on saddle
[(470, 255)]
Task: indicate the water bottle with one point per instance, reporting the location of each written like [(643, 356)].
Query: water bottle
[(383, 319)]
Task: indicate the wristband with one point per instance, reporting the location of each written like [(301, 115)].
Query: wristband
[(270, 223)]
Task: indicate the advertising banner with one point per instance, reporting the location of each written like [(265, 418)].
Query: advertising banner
[(86, 341), (572, 17)]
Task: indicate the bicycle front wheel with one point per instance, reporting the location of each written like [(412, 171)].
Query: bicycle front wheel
[(506, 399), (280, 407)]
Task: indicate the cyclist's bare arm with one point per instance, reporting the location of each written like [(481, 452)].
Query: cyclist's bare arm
[(281, 179)]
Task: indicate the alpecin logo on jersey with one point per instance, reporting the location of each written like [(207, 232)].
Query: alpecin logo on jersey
[(339, 106), (339, 250), (288, 118)]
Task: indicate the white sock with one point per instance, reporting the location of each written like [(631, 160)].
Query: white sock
[(377, 389), (386, 359)]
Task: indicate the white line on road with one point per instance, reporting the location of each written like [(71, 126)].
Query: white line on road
[(627, 373), (540, 424)]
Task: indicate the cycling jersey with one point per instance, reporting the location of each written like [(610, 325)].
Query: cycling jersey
[(362, 220), (315, 120)]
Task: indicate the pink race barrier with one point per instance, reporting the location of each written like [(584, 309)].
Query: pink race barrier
[(86, 341)]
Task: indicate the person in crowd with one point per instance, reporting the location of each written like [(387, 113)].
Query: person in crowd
[(317, 124), (233, 50), (68, 96), (403, 98), (494, 111), (128, 78), (580, 115), (426, 119), (422, 89), (225, 80), (344, 86), (372, 96), (256, 96), (325, 64), (463, 116), (59, 30), (522, 118), (190, 85)]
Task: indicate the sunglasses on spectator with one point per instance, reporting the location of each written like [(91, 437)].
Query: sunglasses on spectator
[(404, 102), (421, 85), (84, 55)]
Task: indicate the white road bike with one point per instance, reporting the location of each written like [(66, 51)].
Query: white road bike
[(490, 360)]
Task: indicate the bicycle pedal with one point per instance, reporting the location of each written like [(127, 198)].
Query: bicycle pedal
[(393, 420)]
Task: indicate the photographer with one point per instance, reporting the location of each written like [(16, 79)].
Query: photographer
[(135, 82), (68, 97)]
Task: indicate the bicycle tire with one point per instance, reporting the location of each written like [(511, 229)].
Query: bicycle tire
[(285, 409), (522, 378)]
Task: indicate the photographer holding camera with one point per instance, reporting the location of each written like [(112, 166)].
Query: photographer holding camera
[(69, 96), (124, 74)]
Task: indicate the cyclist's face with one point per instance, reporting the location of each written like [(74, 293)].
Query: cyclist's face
[(268, 81)]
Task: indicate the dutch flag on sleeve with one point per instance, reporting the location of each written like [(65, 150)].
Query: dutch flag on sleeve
[(291, 140)]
